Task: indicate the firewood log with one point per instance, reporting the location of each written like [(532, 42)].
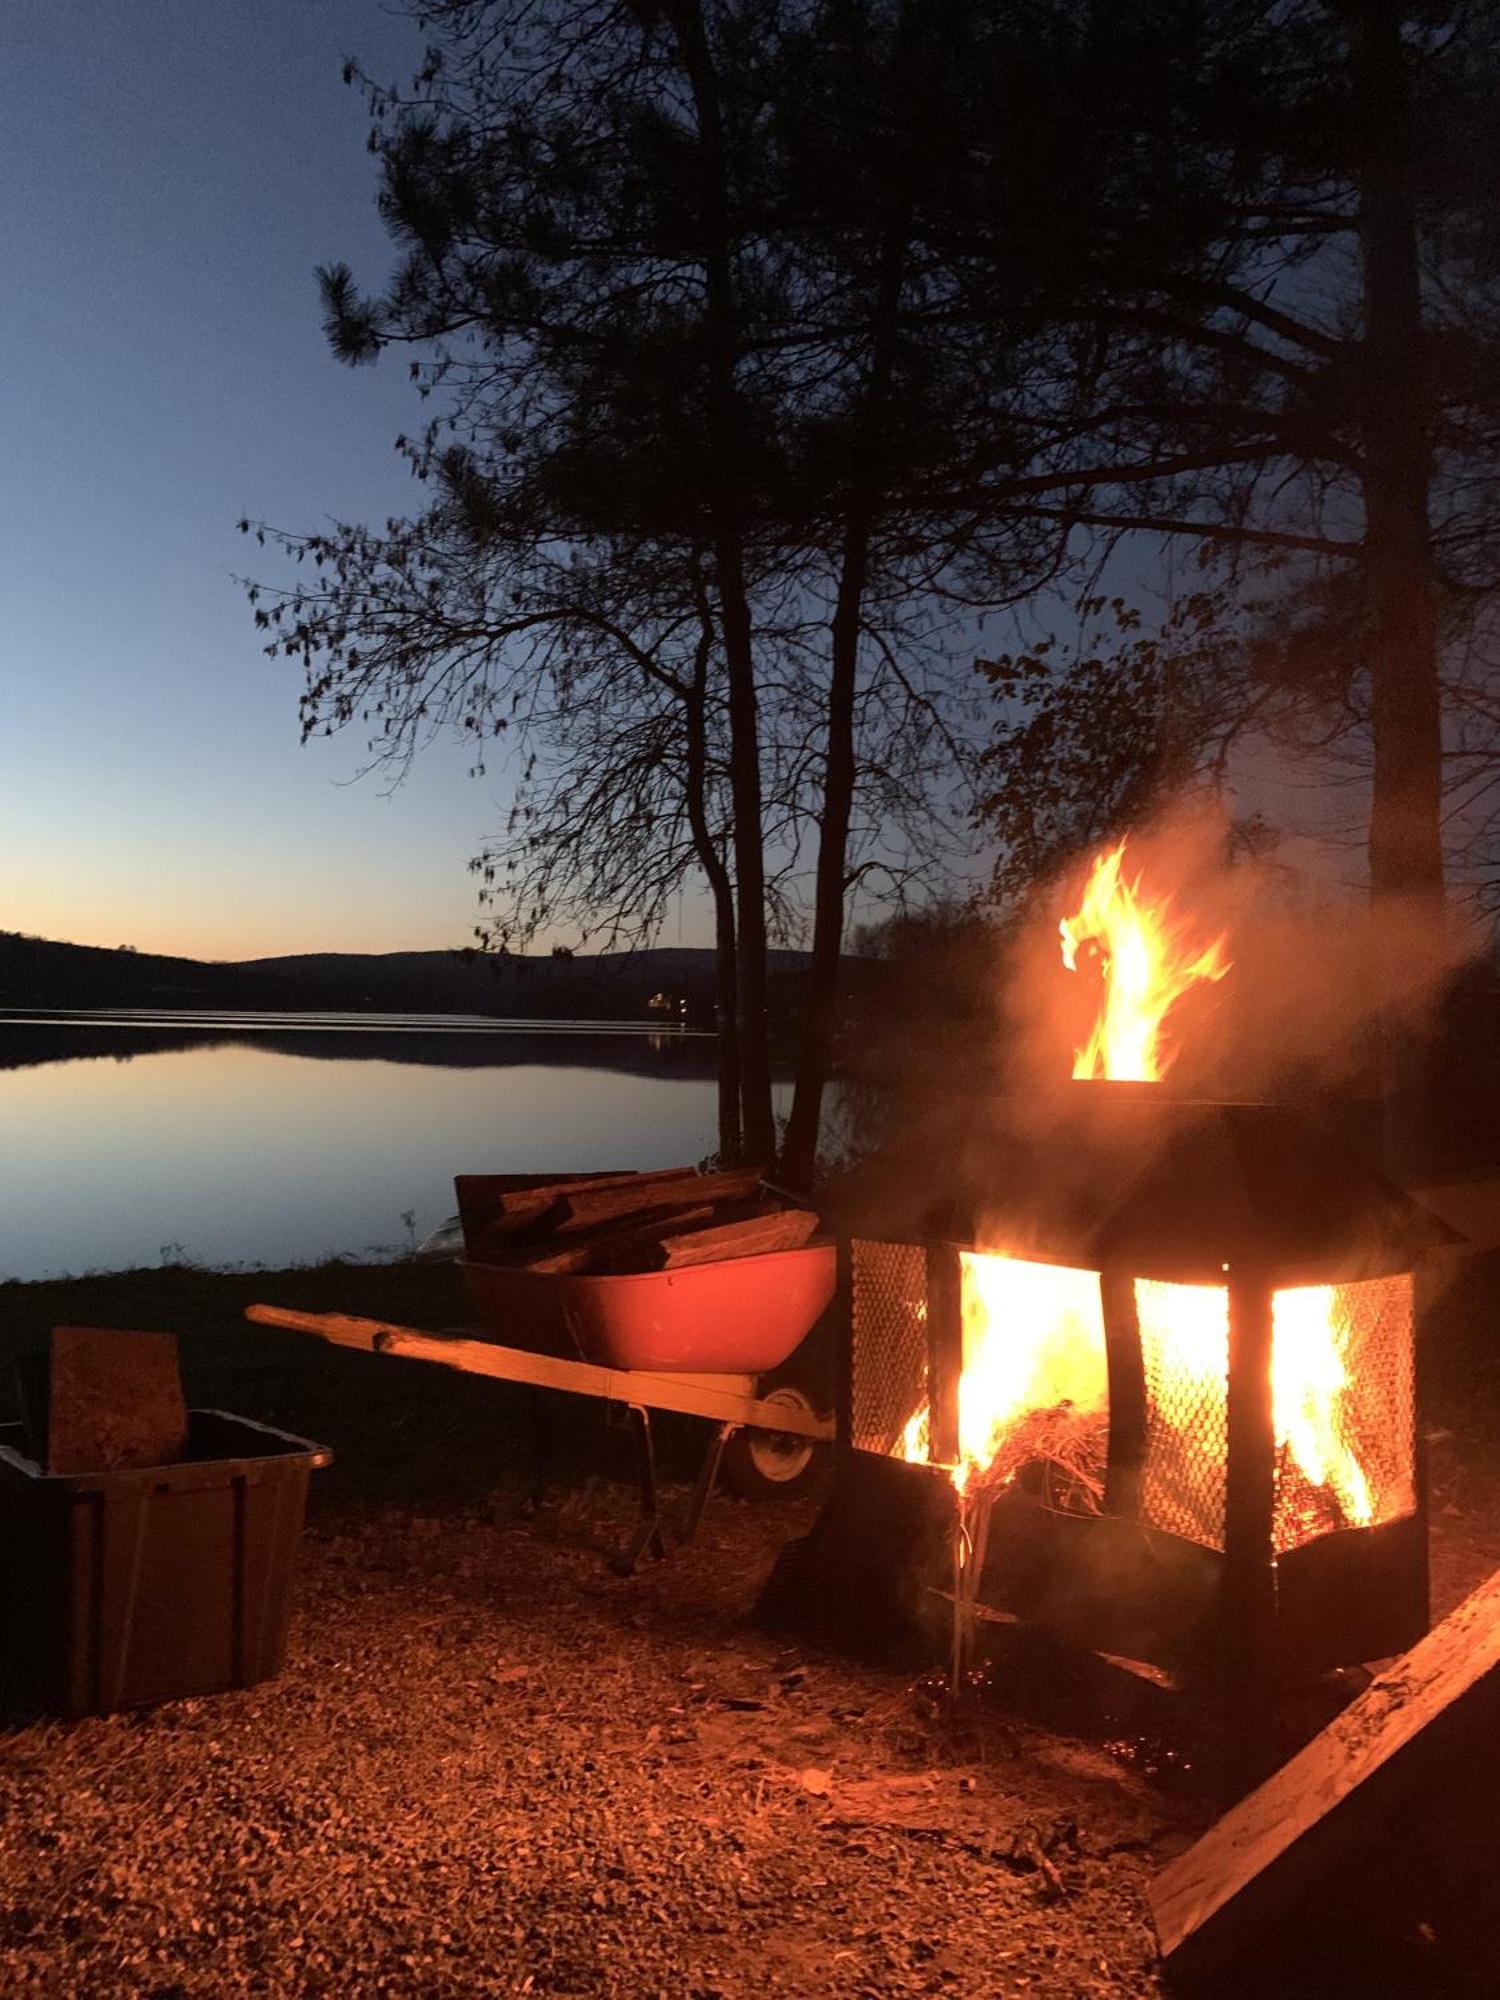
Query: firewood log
[(782, 1229), (648, 1193), (615, 1247), (497, 1208), (544, 1194)]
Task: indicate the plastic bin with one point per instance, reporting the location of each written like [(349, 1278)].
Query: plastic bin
[(118, 1588)]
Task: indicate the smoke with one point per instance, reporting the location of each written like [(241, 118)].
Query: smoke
[(1316, 981)]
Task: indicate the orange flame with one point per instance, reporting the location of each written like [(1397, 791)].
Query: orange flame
[(1147, 965), (1312, 1394), (1033, 1334), (1033, 1342), (1033, 1339)]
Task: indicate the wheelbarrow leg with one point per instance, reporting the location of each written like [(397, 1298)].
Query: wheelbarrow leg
[(648, 1538), (708, 1478), (541, 1450)]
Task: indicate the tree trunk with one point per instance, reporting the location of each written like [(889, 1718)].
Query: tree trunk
[(757, 1120), (1405, 852), (820, 1001), (726, 1000), (722, 890), (840, 763)]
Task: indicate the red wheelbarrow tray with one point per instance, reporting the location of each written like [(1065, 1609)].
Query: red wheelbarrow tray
[(742, 1316)]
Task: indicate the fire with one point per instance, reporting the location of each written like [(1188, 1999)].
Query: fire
[(1147, 964), (1034, 1383), (1310, 1392), (1033, 1347), (1033, 1389), (1311, 1389), (1033, 1340)]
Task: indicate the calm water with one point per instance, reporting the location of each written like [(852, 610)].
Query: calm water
[(137, 1138)]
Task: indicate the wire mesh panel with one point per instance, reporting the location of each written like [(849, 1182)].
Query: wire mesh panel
[(889, 1361), (1343, 1383), (1185, 1351)]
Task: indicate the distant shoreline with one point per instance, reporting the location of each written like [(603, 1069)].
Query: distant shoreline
[(319, 1020), (655, 989)]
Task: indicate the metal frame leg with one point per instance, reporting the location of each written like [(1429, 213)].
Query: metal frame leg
[(708, 1478), (649, 1538)]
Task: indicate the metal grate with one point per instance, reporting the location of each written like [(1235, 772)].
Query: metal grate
[(1185, 1349), (889, 1362), (1344, 1376)]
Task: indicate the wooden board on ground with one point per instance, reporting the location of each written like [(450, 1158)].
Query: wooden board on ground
[(114, 1400), (1419, 1725)]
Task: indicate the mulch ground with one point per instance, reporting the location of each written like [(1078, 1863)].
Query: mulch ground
[(494, 1767)]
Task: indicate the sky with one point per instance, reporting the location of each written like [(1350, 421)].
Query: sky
[(173, 171)]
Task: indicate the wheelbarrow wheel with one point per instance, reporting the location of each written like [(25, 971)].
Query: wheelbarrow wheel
[(772, 1465)]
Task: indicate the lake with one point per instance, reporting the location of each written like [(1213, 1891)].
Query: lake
[(142, 1138)]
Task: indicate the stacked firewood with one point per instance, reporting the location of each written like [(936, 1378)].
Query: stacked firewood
[(616, 1223)]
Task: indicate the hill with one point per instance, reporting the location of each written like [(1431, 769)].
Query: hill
[(615, 986)]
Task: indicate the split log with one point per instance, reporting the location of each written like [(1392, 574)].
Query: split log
[(1369, 1790), (614, 1248), (783, 1229), (651, 1192), (543, 1194), (114, 1400), (495, 1209)]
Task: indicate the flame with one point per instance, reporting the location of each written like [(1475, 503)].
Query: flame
[(1310, 1394), (1034, 1381), (1033, 1345), (1147, 965), (1311, 1390), (1033, 1340)]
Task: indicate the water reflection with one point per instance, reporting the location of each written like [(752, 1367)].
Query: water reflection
[(271, 1144)]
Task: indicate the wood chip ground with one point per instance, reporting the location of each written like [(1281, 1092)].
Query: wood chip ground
[(494, 1768)]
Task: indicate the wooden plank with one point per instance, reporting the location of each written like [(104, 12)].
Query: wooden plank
[(114, 1400), (1418, 1724), (726, 1398)]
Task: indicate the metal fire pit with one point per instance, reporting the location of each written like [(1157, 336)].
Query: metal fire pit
[(1205, 1555)]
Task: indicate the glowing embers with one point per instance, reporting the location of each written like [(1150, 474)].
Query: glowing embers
[(1342, 1402), (1146, 962), (1033, 1393)]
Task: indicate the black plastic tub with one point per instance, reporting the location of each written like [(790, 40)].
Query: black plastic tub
[(119, 1588)]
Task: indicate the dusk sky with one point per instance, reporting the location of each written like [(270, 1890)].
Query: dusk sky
[(173, 172)]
